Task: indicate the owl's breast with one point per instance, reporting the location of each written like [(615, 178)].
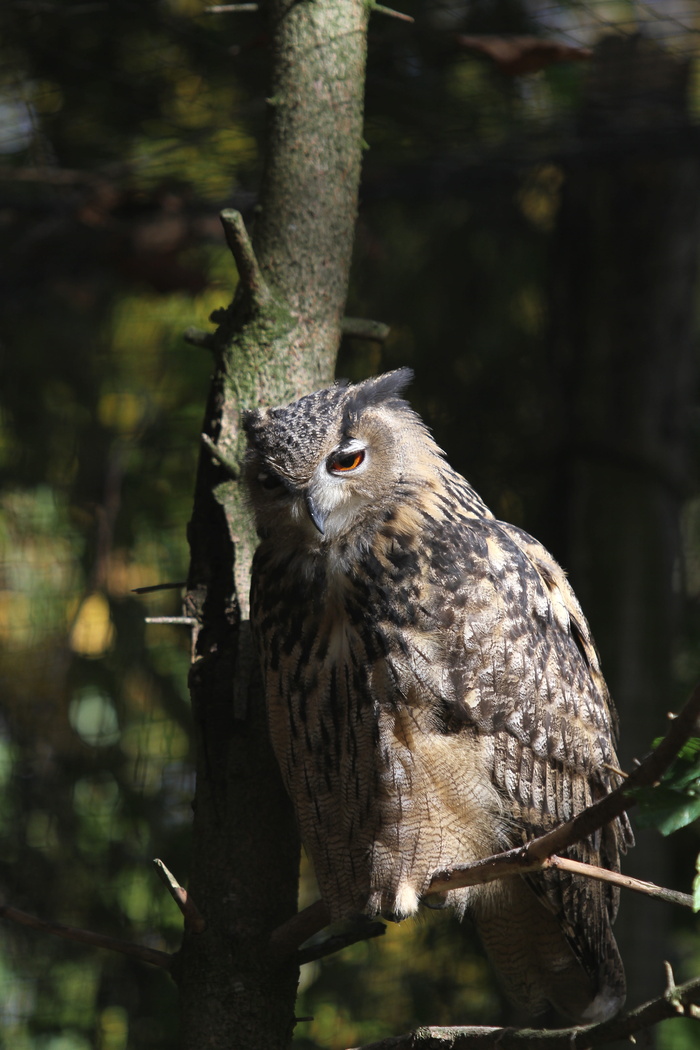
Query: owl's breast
[(387, 786)]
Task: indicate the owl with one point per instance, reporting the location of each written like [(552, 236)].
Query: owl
[(433, 692)]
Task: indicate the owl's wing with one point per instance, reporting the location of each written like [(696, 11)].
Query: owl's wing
[(527, 678)]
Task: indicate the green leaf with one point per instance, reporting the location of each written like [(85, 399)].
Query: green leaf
[(675, 801), (665, 808), (689, 752), (683, 775)]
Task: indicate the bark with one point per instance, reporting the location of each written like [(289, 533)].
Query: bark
[(277, 340), (624, 325)]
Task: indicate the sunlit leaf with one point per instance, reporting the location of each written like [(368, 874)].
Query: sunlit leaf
[(666, 809), (92, 633)]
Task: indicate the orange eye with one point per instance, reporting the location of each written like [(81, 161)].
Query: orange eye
[(346, 461)]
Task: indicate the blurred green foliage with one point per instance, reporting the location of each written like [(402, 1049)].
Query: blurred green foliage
[(124, 127), (106, 263), (674, 802)]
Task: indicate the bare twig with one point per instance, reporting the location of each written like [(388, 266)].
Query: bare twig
[(97, 940), (613, 769), (671, 985), (198, 337), (539, 852), (532, 856), (286, 938), (591, 871), (361, 328), (190, 912), (158, 587), (362, 929), (225, 9), (677, 1000), (246, 261), (219, 456), (189, 621), (382, 10)]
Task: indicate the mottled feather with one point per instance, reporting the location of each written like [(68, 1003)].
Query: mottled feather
[(433, 691)]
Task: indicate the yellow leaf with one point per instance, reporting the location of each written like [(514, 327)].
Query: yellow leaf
[(93, 631)]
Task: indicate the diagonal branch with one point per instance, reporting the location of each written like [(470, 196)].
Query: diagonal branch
[(220, 456), (192, 917), (533, 855), (285, 940), (542, 851), (246, 260), (97, 940), (382, 10), (677, 1001), (591, 871)]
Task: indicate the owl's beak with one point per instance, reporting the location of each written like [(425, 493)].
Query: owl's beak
[(316, 515)]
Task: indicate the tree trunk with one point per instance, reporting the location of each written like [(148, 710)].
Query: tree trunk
[(276, 341), (624, 323)]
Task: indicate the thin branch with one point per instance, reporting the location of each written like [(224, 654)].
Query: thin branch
[(241, 248), (220, 457), (285, 940), (97, 940), (198, 337), (359, 929), (361, 328), (225, 9), (671, 985), (382, 10), (159, 587), (538, 853), (676, 1001), (532, 856), (613, 769), (188, 621), (190, 912), (591, 871)]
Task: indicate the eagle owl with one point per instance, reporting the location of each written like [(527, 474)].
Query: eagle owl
[(433, 692)]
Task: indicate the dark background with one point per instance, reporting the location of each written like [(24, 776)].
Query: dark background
[(529, 228)]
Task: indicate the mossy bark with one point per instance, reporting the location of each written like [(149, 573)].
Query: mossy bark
[(277, 340)]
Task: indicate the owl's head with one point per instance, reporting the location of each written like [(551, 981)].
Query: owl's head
[(324, 463)]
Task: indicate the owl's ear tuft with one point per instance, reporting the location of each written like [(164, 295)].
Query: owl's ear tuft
[(376, 391)]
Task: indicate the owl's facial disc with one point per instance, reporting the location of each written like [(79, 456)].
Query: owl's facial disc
[(329, 499)]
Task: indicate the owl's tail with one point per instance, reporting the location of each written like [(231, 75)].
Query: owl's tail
[(536, 961)]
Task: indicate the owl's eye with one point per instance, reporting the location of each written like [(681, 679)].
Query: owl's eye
[(345, 462), (269, 481)]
